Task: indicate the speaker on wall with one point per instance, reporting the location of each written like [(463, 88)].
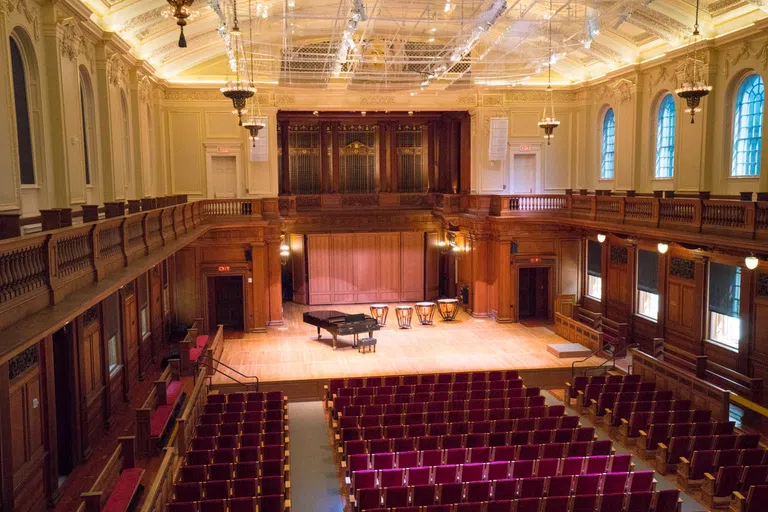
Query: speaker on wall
[(248, 255)]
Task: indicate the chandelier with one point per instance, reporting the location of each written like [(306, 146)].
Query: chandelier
[(238, 90), (548, 121), (181, 11), (253, 124), (694, 87)]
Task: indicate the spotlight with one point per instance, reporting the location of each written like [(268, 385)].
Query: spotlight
[(315, 113), (600, 237), (751, 262), (662, 247)]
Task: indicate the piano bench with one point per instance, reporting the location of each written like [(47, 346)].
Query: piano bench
[(362, 343)]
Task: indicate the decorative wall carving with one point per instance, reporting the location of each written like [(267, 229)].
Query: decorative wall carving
[(285, 99), (22, 362), (619, 255), (683, 268), (377, 100), (744, 50), (493, 100), (70, 38), (117, 71), (762, 284), (30, 12), (145, 88), (469, 100), (521, 96)]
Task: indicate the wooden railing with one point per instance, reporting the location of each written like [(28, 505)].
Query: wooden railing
[(161, 489), (193, 408), (685, 385), (577, 332)]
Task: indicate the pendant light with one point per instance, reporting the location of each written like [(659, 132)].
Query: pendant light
[(238, 91), (694, 87), (548, 121), (253, 123), (182, 12)]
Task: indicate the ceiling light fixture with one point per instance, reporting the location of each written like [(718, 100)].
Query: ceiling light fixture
[(548, 121), (751, 262), (253, 124), (182, 13), (238, 90), (694, 88)]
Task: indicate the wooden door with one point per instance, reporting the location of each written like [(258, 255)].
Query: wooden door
[(92, 376), (156, 308), (541, 305), (524, 173), (228, 302), (131, 339), (67, 444)]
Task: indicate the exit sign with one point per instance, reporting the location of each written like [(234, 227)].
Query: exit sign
[(535, 260), (525, 147), (223, 268), (222, 149)]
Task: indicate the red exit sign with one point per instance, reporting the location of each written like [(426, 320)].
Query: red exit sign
[(525, 147), (223, 268), (535, 260)]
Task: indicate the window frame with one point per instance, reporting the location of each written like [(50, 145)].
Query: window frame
[(666, 103), (710, 319), (606, 140), (598, 280), (753, 143), (88, 119), (15, 41), (639, 289)]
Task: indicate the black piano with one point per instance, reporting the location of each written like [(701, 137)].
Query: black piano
[(341, 324)]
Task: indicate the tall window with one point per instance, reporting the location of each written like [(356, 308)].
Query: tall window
[(126, 139), (725, 304), (594, 270), (21, 101), (609, 144), (665, 138), (84, 119), (648, 284), (748, 127)]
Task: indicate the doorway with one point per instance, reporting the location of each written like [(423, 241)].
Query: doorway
[(225, 302), (533, 290), (63, 365), (224, 170), (524, 173)]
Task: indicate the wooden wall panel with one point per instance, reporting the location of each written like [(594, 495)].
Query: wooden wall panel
[(432, 279), (685, 309), (319, 262), (343, 269), (366, 256), (298, 268), (389, 267), (620, 286), (412, 262), (185, 285), (92, 378), (570, 260)]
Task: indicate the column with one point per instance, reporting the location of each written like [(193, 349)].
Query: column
[(107, 173), (465, 155), (504, 297), (259, 286), (274, 282), (136, 126), (285, 183), (10, 182)]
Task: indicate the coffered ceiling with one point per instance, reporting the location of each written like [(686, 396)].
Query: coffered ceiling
[(404, 45)]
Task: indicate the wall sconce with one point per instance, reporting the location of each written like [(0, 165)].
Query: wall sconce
[(662, 247), (285, 251), (600, 237), (751, 262)]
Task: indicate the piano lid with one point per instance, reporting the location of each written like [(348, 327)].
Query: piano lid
[(337, 316)]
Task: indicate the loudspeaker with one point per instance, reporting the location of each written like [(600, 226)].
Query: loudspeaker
[(248, 255)]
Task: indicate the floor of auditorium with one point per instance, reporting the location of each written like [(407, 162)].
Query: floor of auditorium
[(292, 352)]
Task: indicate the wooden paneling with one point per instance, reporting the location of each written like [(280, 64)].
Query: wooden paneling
[(389, 267), (298, 268), (366, 255), (432, 279), (570, 260), (319, 258), (130, 340), (620, 287), (343, 287), (92, 378), (185, 285), (412, 258)]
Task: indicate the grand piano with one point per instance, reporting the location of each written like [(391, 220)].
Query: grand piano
[(341, 324)]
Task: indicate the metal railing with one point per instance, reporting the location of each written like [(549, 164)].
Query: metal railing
[(216, 370)]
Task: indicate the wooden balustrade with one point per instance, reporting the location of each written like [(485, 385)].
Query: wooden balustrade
[(577, 332), (160, 491), (193, 408)]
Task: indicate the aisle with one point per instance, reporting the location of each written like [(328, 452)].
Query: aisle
[(314, 486)]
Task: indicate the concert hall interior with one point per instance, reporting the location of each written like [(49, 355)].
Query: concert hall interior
[(383, 256)]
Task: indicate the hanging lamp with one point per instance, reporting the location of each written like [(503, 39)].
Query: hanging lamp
[(694, 87), (253, 123), (548, 121), (238, 91), (181, 11)]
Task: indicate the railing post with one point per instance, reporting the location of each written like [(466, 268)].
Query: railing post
[(656, 206), (593, 208), (115, 209), (622, 208), (51, 219), (698, 207), (90, 212), (10, 225), (134, 206)]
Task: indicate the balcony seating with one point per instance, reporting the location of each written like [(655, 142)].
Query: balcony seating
[(153, 418), (239, 455), (717, 489), (668, 456), (610, 400), (577, 388), (118, 483), (662, 432)]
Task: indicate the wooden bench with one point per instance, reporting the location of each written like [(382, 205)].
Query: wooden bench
[(691, 363), (587, 317), (118, 483), (192, 346), (153, 418), (614, 333)]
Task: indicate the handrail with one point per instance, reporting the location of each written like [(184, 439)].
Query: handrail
[(573, 364), (214, 360), (613, 358), (245, 384)]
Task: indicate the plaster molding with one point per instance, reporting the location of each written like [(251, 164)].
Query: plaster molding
[(487, 119), (31, 13), (744, 50), (117, 71), (540, 96), (469, 100), (492, 100), (71, 43), (377, 100)]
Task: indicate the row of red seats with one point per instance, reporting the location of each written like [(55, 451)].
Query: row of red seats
[(658, 501), (438, 406), (222, 471), (250, 407), (269, 467), (692, 473), (686, 428), (243, 443), (500, 470), (597, 407), (662, 432), (668, 456), (405, 389), (580, 382), (271, 397), (503, 432), (656, 412), (428, 378), (273, 503), (594, 391), (556, 488), (719, 488), (242, 418), (456, 414), (483, 454), (340, 402), (249, 439), (198, 490)]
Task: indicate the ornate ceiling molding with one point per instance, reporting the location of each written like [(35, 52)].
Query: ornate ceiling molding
[(619, 91), (540, 96), (744, 50), (31, 13)]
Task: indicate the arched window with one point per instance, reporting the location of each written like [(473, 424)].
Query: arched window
[(609, 144), (21, 101), (665, 138), (748, 127)]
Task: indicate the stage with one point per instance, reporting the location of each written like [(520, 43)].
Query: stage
[(291, 358)]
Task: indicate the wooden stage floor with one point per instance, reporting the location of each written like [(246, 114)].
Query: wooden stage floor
[(292, 352)]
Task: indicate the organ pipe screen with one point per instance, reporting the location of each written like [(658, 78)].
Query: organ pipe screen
[(357, 159), (411, 157), (304, 159)]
